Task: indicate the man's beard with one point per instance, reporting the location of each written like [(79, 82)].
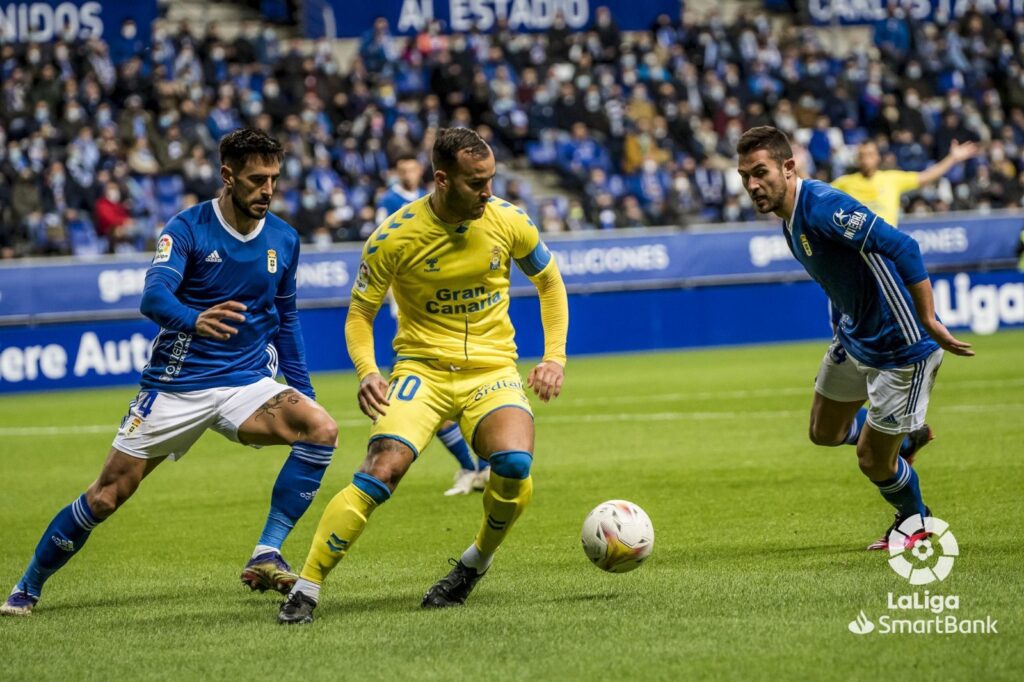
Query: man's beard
[(245, 210)]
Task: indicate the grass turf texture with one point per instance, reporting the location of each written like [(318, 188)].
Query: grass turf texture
[(757, 568)]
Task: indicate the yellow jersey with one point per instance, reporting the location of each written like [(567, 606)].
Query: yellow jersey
[(451, 283), (881, 192)]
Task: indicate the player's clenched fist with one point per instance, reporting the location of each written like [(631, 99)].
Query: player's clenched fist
[(373, 392), (211, 322), (546, 380)]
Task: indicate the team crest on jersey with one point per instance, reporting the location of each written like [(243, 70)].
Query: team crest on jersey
[(806, 244), (271, 261), (495, 258), (850, 223), (363, 278), (163, 249), (432, 265)]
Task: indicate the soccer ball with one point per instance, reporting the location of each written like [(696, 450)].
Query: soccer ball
[(617, 536)]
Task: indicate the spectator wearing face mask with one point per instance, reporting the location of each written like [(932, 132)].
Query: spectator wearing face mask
[(113, 220)]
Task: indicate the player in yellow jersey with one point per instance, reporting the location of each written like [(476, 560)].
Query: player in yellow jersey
[(447, 258), (880, 190)]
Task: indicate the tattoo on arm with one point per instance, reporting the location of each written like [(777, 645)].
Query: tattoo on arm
[(275, 404)]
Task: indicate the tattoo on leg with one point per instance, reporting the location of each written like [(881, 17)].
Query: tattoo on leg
[(276, 403)]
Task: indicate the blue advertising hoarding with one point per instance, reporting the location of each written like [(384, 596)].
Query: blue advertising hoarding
[(851, 12), (49, 289), (347, 19), (43, 21), (84, 354)]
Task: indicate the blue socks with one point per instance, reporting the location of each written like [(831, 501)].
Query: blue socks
[(457, 445), (294, 490), (62, 539), (855, 428), (903, 490)]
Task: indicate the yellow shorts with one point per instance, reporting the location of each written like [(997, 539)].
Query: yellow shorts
[(423, 395)]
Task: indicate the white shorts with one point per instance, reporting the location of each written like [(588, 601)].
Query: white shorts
[(899, 396), (160, 424)]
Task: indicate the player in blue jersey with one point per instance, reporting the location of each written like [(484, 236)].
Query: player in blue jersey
[(471, 475), (889, 343), (222, 289), (408, 189)]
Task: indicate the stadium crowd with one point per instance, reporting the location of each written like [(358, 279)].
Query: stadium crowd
[(102, 142)]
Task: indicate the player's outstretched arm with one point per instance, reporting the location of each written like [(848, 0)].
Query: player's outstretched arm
[(547, 377), (905, 254), (373, 388), (291, 348), (958, 153), (924, 302)]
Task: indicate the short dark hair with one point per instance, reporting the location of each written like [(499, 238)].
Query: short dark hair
[(238, 146), (451, 141), (769, 138), (407, 156)]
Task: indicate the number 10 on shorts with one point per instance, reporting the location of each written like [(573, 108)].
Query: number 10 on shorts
[(406, 386)]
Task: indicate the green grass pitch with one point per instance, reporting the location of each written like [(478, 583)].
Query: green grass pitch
[(757, 569)]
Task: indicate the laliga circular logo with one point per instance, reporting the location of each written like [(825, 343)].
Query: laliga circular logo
[(922, 551)]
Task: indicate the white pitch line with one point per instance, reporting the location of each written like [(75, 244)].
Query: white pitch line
[(691, 415), (807, 390)]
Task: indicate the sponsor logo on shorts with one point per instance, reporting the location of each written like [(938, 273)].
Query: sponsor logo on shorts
[(891, 419), (135, 423), (500, 385)]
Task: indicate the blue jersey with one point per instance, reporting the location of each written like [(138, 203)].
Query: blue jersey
[(865, 266), (202, 261), (394, 198)]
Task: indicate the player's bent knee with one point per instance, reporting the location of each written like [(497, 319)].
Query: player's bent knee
[(323, 430), (104, 500), (511, 463), (387, 460), (820, 436)]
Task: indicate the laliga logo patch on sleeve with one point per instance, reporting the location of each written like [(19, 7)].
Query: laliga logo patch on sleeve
[(362, 282), (163, 249)]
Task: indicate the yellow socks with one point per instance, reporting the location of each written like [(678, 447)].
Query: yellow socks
[(504, 500), (341, 524)]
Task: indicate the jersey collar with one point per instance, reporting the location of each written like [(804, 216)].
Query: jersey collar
[(788, 225), (232, 231), (457, 227)]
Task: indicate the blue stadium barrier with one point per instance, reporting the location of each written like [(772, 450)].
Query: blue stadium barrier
[(72, 324)]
